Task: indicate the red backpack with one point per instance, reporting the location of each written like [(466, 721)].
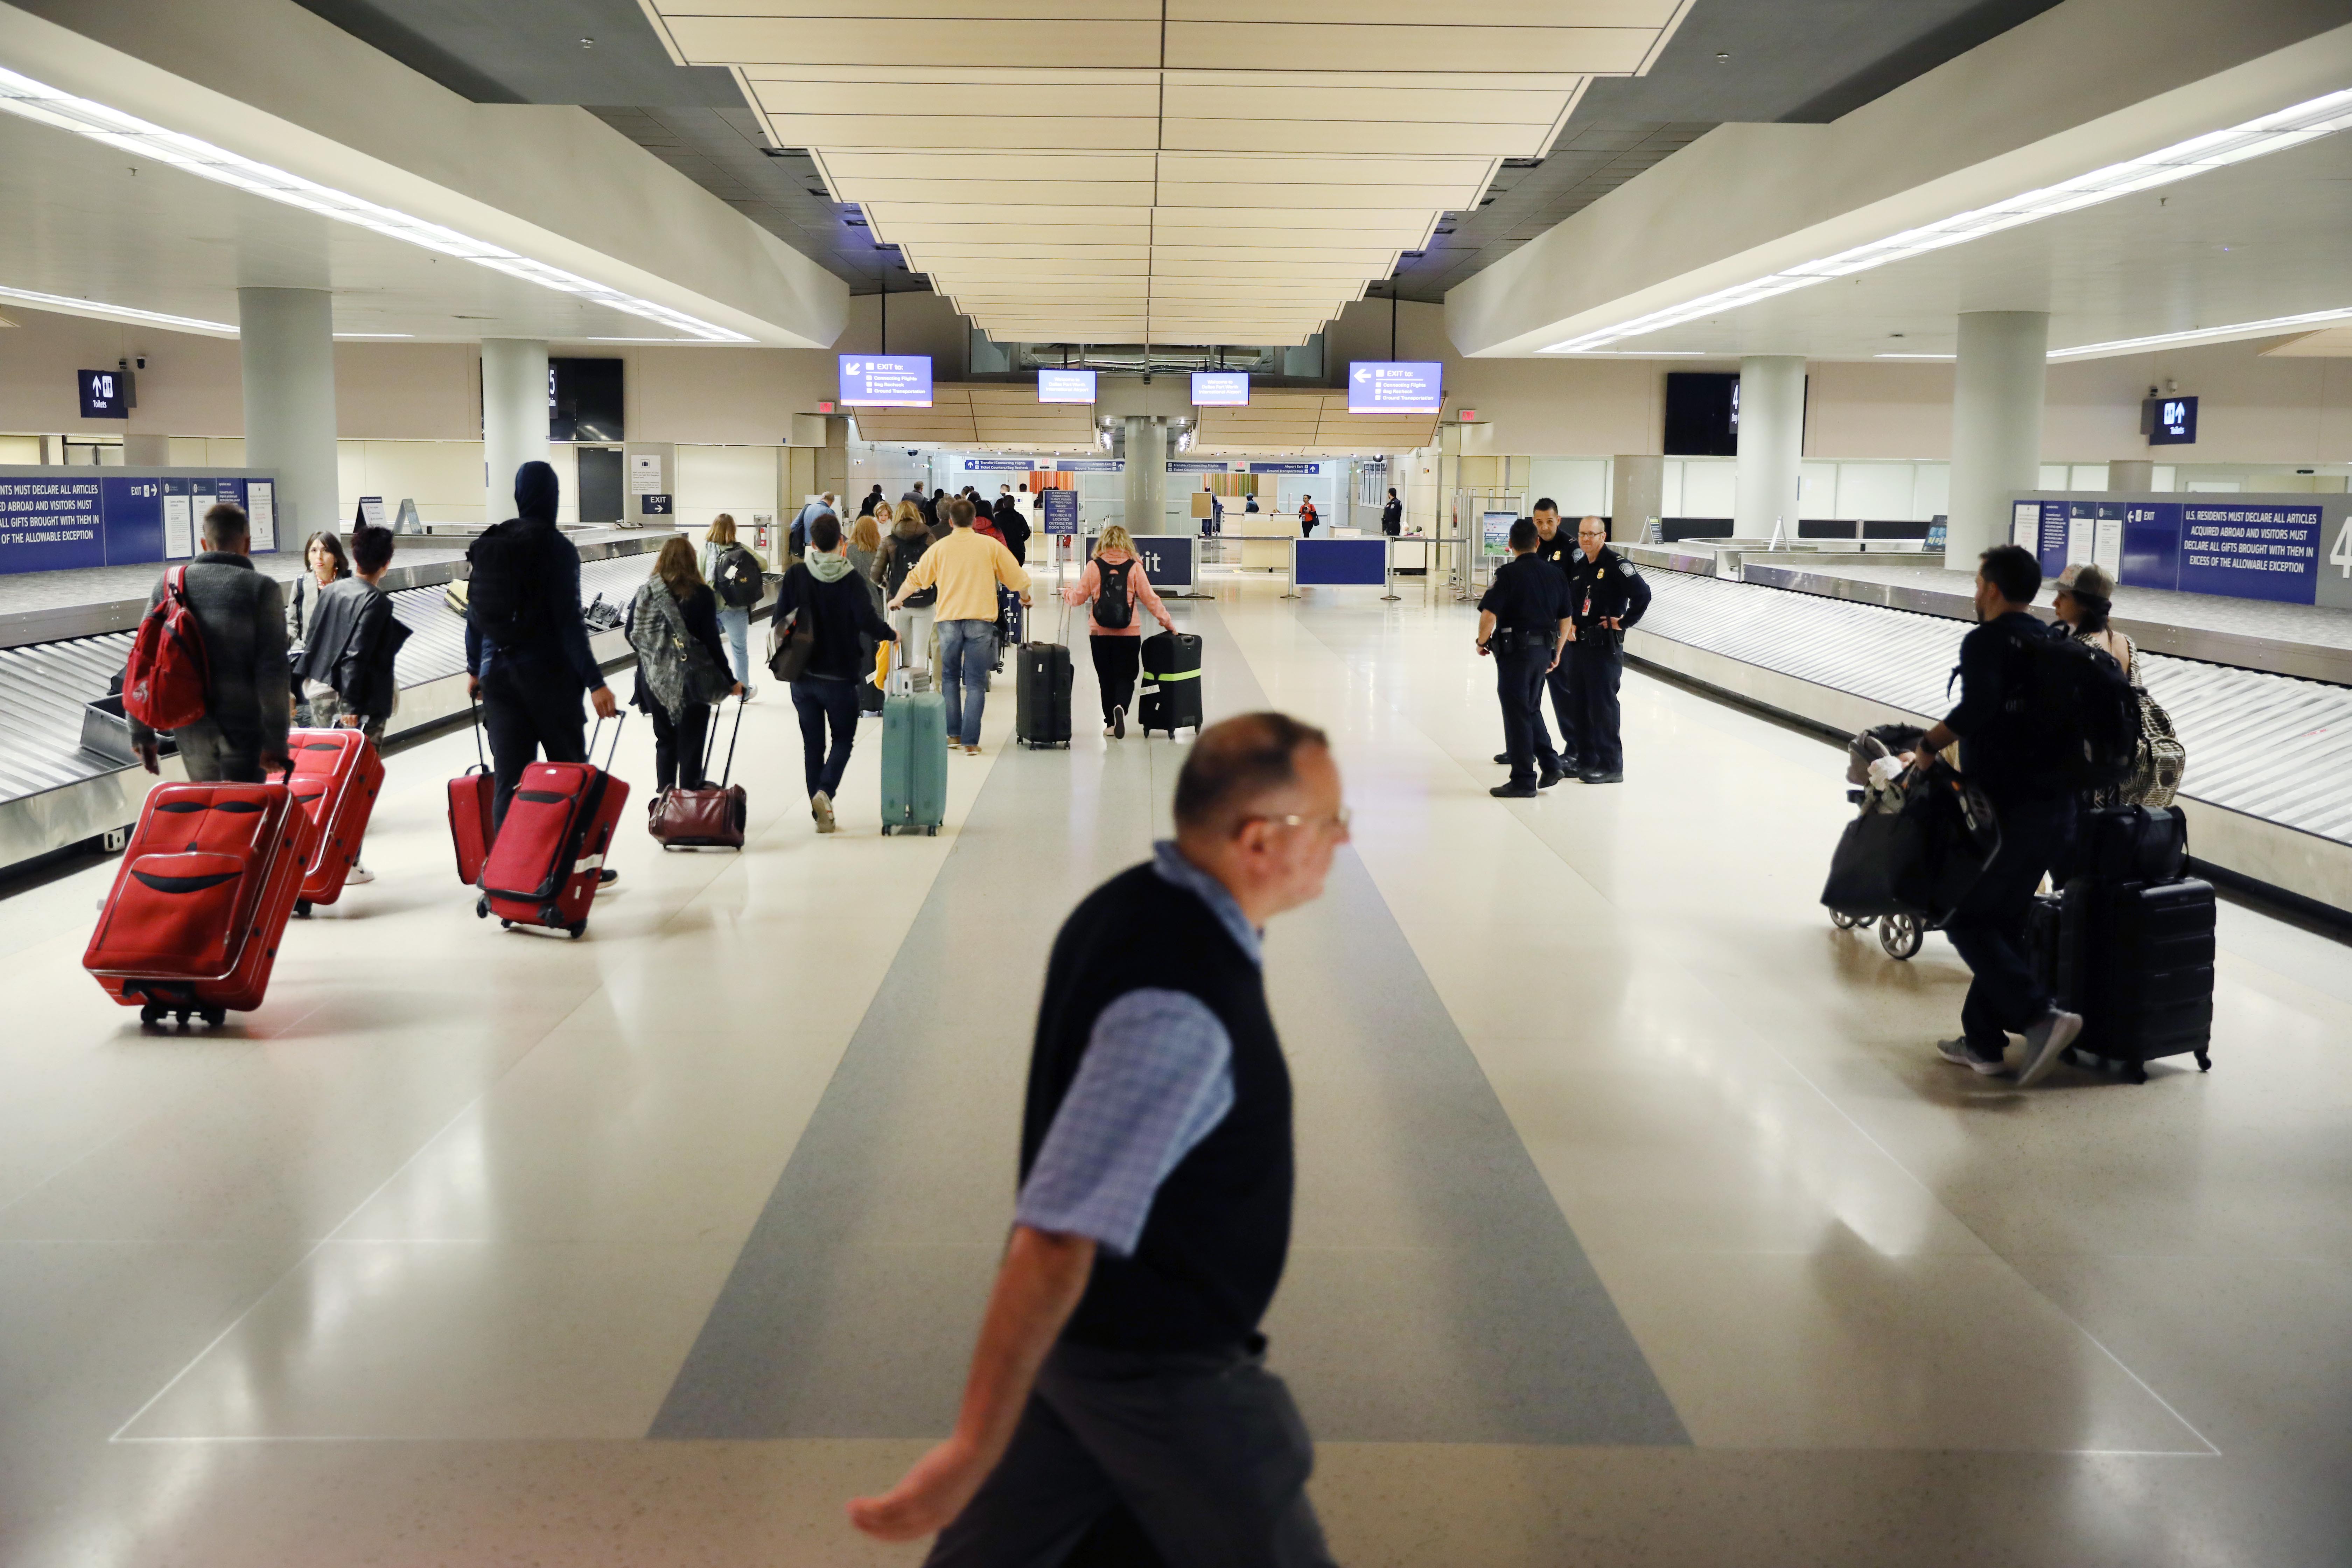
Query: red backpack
[(163, 683)]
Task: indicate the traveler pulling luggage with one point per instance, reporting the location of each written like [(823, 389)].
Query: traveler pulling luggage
[(1171, 683), (2128, 942), (711, 817), (335, 779), (543, 867), (471, 795), (914, 762), (1042, 689), (201, 901), (1912, 850)]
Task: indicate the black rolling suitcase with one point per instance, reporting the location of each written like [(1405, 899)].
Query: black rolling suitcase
[(1042, 689), (1171, 683), (2129, 942)]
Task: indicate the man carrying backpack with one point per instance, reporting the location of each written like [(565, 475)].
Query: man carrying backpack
[(2014, 680), (526, 655), (239, 642)]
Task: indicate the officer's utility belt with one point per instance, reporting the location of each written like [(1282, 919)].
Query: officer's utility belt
[(1598, 636), (1514, 639)]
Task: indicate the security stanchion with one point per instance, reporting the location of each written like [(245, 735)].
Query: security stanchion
[(1388, 571), (1292, 591)]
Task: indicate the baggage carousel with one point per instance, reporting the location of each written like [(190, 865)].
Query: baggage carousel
[(56, 792), (2269, 754)]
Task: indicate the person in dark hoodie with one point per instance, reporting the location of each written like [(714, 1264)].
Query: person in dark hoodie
[(1011, 525), (527, 654), (823, 592)]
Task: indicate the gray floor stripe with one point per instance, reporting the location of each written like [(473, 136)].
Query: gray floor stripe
[(1434, 1292)]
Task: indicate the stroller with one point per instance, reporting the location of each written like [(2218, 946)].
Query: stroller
[(1916, 844)]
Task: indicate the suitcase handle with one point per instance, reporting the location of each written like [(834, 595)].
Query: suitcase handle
[(475, 703), (615, 749), (711, 744)]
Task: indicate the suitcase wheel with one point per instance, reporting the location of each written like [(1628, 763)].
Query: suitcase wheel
[(303, 908), (1900, 935), (215, 1016), (2204, 1062), (505, 924), (1841, 920), (579, 930), (482, 909), (931, 832), (150, 1012)]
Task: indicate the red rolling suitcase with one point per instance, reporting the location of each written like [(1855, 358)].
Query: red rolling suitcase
[(543, 866), (472, 794), (336, 777), (193, 921)]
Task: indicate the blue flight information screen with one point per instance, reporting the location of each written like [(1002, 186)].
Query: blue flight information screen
[(1396, 386), (1065, 386), (1220, 389), (876, 381)]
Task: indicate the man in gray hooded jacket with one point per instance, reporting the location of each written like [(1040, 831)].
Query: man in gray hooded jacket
[(247, 704)]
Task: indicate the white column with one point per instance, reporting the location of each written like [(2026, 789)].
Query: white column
[(1637, 490), (286, 349), (1997, 389), (1147, 474), (1771, 445), (514, 417)]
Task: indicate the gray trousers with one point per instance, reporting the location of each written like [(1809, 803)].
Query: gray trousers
[(1205, 1455), (214, 757)]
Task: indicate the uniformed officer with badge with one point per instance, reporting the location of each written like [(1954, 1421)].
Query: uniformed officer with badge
[(1555, 547), (1523, 622), (1608, 597)]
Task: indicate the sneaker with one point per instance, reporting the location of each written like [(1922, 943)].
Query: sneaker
[(358, 876), (821, 807), (972, 750), (1118, 722), (1106, 732), (606, 876), (750, 691), (1594, 775), (1513, 791), (1957, 1052), (1502, 759), (2046, 1039), (1551, 777)]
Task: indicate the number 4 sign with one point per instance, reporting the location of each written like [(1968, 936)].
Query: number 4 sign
[(2341, 556)]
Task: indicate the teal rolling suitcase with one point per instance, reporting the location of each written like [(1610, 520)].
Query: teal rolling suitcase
[(914, 763)]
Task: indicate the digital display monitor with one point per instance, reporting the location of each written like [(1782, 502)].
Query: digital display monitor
[(1701, 414), (877, 381), (1221, 389), (105, 394), (583, 400), (2172, 421), (1396, 386), (1065, 386)]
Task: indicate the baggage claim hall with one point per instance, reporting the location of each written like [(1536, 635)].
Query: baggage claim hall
[(870, 1038)]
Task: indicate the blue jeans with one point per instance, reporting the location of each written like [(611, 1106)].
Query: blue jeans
[(967, 653), (736, 626)]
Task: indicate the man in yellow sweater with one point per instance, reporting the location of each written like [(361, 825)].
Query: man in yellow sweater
[(966, 567)]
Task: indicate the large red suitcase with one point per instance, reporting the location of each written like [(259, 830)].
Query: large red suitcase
[(545, 864), (336, 777), (471, 795), (201, 901)]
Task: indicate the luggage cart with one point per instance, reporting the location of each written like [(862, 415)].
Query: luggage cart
[(1900, 935)]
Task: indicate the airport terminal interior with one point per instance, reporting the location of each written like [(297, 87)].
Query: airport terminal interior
[(1637, 1217)]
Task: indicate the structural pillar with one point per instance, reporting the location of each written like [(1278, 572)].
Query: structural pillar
[(2130, 474), (1997, 390), (1637, 495), (286, 349), (1147, 474), (1771, 445), (514, 417)]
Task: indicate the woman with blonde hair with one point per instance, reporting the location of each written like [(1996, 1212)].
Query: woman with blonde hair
[(719, 543), (1115, 585), (865, 552), (673, 625), (909, 537)]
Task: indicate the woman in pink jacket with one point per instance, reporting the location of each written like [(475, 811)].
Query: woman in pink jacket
[(1114, 584)]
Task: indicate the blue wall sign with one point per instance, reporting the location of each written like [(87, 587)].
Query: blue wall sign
[(105, 394), (1339, 563), (1396, 386), (1220, 389), (1197, 466), (1065, 386), (55, 520), (998, 464), (1285, 467), (2251, 552), (1167, 558), (2242, 547), (1091, 466), (1062, 512), (2172, 421), (875, 380)]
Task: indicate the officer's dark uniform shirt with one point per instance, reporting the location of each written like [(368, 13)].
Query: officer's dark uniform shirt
[(1606, 587), (1556, 550), (1528, 599)]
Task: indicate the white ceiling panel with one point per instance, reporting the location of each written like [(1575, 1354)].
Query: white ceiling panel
[(1245, 167)]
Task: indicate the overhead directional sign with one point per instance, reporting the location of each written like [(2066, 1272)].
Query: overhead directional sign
[(1396, 386), (1065, 386), (873, 381), (1220, 389)]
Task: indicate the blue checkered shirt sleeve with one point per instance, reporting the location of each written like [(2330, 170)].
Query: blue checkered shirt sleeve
[(1156, 1079)]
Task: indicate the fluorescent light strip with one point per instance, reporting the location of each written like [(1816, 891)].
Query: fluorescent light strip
[(2204, 335), (2215, 149), (45, 105), (1914, 356), (113, 312), (343, 337)]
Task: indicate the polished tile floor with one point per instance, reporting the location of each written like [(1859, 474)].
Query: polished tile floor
[(1638, 1222)]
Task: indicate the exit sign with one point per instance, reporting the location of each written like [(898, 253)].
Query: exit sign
[(1469, 414)]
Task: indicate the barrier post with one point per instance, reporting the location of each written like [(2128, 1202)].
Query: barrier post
[(1292, 592), (1387, 569)]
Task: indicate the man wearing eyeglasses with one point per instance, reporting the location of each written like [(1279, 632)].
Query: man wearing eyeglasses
[(1120, 1385)]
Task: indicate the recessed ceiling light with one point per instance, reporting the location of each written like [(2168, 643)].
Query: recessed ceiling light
[(2276, 132), (2204, 334), (114, 312), (343, 335), (45, 105), (1914, 356)]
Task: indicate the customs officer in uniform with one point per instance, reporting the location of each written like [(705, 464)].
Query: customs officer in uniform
[(1608, 596), (1523, 621), (1555, 547)]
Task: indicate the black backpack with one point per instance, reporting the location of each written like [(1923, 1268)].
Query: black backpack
[(1115, 604), (737, 582), (903, 551), (505, 563), (2079, 708)]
